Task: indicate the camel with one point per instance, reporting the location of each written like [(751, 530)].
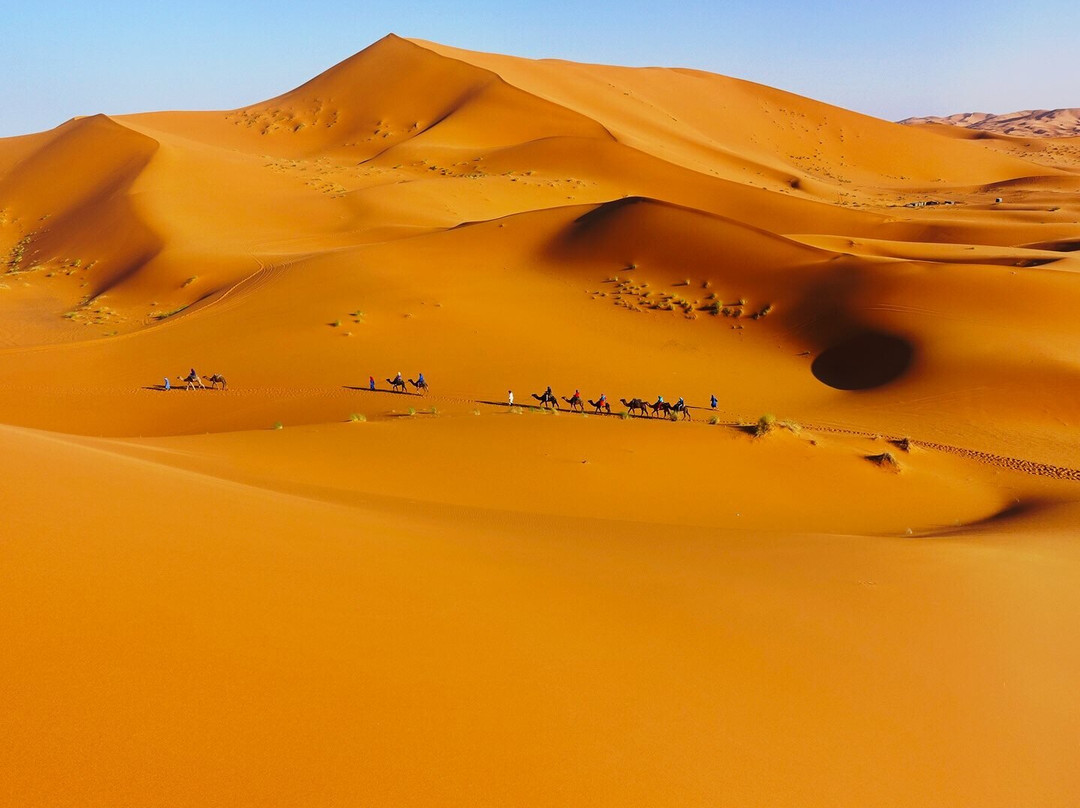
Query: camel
[(546, 399), (191, 380), (598, 406), (682, 409), (421, 386), (635, 404), (575, 402), (396, 383), (661, 408), (216, 379)]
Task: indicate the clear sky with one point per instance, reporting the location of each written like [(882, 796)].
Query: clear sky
[(891, 59)]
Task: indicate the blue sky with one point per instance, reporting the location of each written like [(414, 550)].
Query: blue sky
[(889, 59)]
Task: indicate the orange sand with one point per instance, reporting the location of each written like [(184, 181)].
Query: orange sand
[(455, 603)]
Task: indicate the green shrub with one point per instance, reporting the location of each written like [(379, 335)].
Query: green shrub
[(765, 424)]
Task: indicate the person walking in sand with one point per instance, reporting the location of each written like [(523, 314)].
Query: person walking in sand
[(370, 382), (509, 398), (712, 401)]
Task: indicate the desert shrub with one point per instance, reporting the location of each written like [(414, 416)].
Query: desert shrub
[(164, 315), (277, 425), (714, 420), (884, 460), (357, 417), (765, 424)]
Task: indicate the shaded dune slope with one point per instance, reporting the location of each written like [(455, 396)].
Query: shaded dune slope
[(68, 207)]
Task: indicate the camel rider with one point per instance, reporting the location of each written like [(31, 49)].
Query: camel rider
[(548, 392), (659, 401), (577, 394), (680, 404), (603, 400), (420, 381), (398, 379), (192, 376)]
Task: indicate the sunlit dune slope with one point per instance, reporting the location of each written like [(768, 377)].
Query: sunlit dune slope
[(368, 151), (851, 580), (294, 633), (364, 217), (742, 130)]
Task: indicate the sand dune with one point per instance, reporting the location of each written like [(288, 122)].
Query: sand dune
[(413, 600), (1025, 123)]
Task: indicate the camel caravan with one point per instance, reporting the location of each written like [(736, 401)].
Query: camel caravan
[(635, 407), (658, 409), (192, 379), (398, 384), (640, 407)]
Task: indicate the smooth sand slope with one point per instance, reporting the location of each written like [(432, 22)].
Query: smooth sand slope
[(440, 600)]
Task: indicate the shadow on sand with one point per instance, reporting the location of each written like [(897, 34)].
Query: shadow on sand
[(379, 390)]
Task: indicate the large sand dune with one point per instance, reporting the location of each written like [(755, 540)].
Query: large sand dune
[(448, 601)]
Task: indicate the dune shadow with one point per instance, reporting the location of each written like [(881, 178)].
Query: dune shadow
[(1014, 512), (864, 361), (1064, 245), (377, 390)]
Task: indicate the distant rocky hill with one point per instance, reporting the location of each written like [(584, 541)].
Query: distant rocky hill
[(1026, 123)]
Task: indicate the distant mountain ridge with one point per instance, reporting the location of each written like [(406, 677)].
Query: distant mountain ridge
[(1025, 123)]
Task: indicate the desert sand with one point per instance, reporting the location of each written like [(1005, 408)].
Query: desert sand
[(1025, 123), (299, 591)]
